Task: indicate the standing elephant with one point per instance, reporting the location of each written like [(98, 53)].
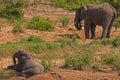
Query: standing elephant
[(100, 14), (26, 66)]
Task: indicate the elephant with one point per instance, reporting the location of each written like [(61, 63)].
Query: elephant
[(26, 65), (103, 14)]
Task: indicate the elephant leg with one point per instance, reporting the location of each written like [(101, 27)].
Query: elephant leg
[(104, 33), (87, 29), (93, 31), (109, 28), (28, 73), (106, 28), (18, 68)]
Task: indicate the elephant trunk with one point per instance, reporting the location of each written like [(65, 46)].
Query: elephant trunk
[(77, 22), (78, 25), (14, 60)]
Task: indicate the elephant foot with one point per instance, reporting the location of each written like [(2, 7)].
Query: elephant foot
[(107, 36), (11, 67)]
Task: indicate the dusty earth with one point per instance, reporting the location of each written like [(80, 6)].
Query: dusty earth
[(47, 11)]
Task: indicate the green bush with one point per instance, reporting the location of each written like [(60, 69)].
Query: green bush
[(33, 38), (106, 41), (12, 10), (116, 42), (17, 27), (117, 22), (39, 23), (110, 58), (77, 61), (113, 60), (96, 66), (116, 65), (64, 20)]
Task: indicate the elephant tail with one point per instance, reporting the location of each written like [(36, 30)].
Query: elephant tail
[(115, 13), (114, 10)]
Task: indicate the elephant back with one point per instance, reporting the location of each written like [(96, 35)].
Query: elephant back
[(110, 7)]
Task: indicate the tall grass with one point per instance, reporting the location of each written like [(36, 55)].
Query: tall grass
[(78, 61), (64, 20)]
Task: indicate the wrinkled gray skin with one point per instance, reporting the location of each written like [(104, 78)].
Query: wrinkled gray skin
[(26, 66), (100, 14)]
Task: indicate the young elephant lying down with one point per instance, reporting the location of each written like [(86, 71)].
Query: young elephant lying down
[(26, 66)]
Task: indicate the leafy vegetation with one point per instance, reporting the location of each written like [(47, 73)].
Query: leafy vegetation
[(46, 61), (113, 60), (12, 10), (72, 4), (17, 27), (64, 20), (96, 66), (78, 61), (76, 55), (39, 23), (116, 42), (106, 41)]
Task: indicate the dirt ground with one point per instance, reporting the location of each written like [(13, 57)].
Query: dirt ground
[(47, 11), (71, 75)]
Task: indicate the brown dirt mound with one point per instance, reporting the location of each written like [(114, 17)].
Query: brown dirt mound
[(72, 75)]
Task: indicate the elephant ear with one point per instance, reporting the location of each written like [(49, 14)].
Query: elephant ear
[(83, 12), (25, 54)]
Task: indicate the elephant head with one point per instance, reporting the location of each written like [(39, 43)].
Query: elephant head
[(79, 16), (21, 54)]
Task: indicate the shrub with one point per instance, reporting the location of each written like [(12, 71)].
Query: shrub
[(106, 41), (96, 66), (17, 27), (39, 23), (64, 20), (117, 22), (77, 61), (116, 42), (113, 60), (13, 10), (116, 65), (33, 38)]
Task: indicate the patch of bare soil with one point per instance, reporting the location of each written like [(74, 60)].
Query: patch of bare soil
[(72, 75)]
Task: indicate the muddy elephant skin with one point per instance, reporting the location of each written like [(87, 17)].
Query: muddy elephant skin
[(95, 14)]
